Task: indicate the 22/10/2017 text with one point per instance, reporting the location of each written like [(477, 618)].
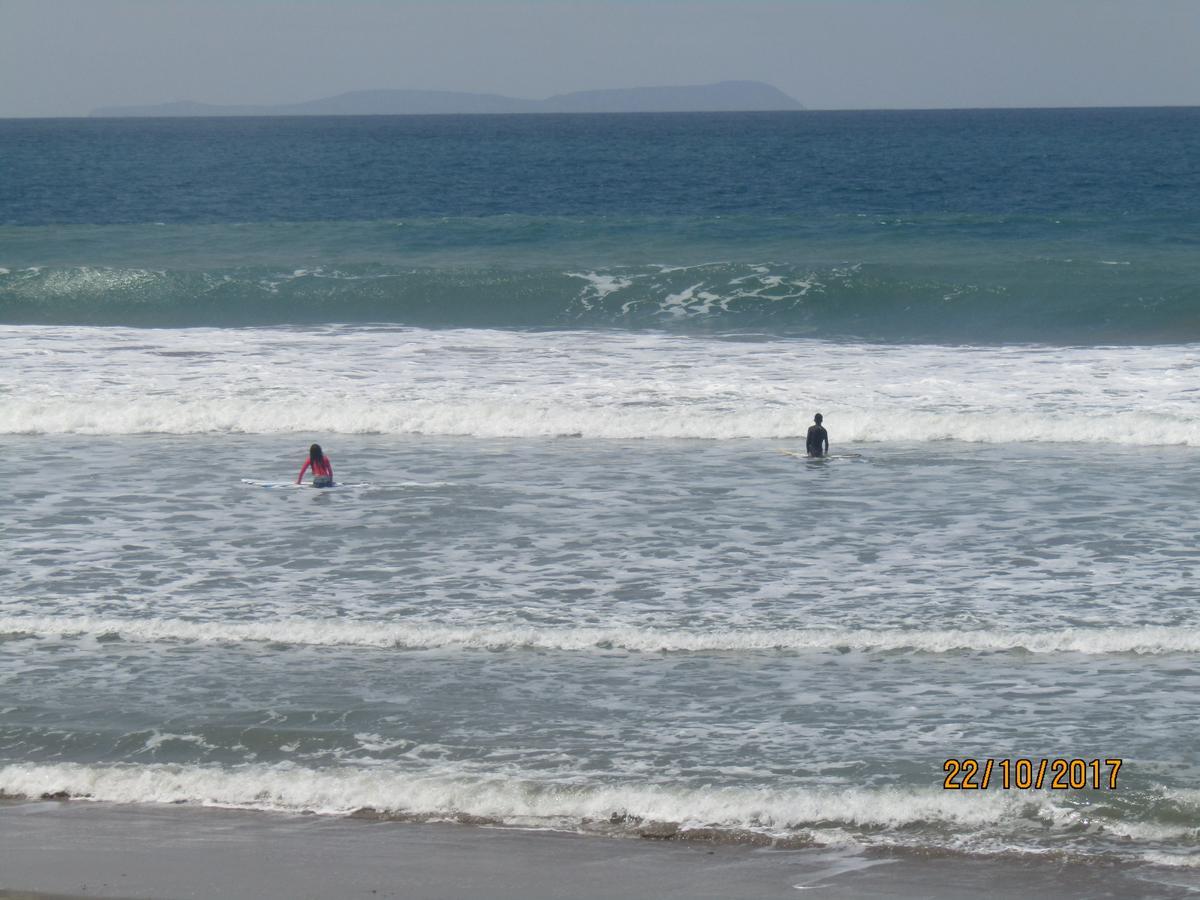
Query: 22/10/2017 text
[(1064, 774)]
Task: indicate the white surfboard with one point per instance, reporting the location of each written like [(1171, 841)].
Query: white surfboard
[(798, 455), (304, 485), (275, 485)]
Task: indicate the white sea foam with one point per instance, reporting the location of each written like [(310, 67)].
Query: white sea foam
[(337, 791), (1146, 640), (927, 816), (497, 419), (87, 281), (1183, 860), (70, 380), (157, 739), (599, 286)]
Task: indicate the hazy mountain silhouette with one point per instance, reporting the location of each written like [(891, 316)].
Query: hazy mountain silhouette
[(725, 96)]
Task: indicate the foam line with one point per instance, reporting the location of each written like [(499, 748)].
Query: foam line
[(338, 791), (611, 385), (916, 817), (1146, 640), (494, 419)]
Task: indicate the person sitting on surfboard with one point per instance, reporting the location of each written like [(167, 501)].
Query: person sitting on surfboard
[(322, 468), (817, 443)]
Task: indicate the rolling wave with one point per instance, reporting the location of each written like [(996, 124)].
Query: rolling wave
[(926, 817), (1047, 301), (346, 790), (613, 384), (515, 419), (1144, 640)]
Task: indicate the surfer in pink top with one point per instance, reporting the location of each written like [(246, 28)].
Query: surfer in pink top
[(322, 468)]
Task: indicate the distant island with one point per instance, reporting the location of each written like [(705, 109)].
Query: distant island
[(724, 96)]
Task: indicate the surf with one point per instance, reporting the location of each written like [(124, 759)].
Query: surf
[(1068, 302), (613, 385), (383, 634)]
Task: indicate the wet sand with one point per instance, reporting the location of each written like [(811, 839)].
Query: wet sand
[(81, 849)]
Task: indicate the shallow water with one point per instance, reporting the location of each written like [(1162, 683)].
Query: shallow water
[(563, 630)]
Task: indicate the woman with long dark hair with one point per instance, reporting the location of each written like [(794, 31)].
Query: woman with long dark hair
[(322, 468)]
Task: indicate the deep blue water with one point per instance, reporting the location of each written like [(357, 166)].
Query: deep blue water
[(1106, 164)]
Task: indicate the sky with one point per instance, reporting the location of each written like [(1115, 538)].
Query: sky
[(67, 57)]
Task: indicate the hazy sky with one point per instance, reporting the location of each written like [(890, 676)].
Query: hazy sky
[(65, 57)]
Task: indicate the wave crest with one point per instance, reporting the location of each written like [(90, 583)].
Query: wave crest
[(501, 418), (508, 800), (924, 818), (874, 301), (1146, 640)]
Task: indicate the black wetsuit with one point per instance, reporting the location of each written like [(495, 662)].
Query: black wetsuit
[(818, 441)]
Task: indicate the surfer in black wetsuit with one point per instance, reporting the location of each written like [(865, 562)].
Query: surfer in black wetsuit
[(817, 443)]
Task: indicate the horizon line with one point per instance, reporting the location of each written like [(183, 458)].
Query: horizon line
[(756, 112)]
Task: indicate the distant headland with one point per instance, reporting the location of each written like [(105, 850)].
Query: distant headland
[(724, 96)]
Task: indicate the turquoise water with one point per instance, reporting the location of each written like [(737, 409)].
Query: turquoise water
[(569, 579)]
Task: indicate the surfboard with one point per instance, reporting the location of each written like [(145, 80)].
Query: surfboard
[(306, 485), (275, 485), (798, 455)]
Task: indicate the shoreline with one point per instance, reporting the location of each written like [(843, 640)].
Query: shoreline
[(53, 848)]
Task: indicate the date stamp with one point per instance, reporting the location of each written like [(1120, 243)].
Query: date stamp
[(969, 774)]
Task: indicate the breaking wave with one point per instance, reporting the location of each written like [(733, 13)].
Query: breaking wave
[(918, 818), (500, 419), (1147, 640), (1065, 301), (346, 790)]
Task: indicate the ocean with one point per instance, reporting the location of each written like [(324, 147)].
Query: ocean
[(573, 576)]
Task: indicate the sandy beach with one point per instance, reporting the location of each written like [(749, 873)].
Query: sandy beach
[(79, 849)]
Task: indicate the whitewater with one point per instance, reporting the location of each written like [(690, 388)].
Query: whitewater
[(388, 379)]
